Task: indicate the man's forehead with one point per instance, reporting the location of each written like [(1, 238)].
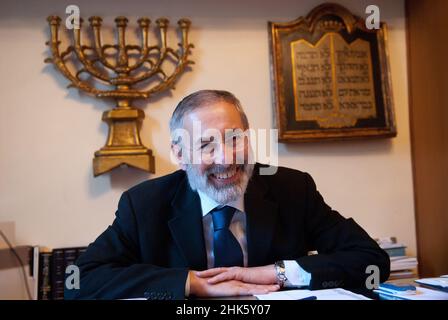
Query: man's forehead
[(220, 115)]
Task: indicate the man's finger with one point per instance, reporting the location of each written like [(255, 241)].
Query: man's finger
[(263, 289), (210, 272), (221, 277), (251, 289)]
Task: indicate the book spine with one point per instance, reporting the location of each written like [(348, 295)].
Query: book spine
[(58, 274), (70, 256), (396, 252), (35, 272), (81, 250), (45, 276)]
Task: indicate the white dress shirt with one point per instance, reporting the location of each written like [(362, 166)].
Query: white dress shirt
[(294, 273)]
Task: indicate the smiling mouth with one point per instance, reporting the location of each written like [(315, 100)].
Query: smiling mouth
[(228, 176)]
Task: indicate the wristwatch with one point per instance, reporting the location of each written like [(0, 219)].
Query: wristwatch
[(281, 275)]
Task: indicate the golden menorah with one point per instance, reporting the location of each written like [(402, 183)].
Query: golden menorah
[(119, 67)]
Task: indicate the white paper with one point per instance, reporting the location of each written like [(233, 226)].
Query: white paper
[(326, 294), (442, 281)]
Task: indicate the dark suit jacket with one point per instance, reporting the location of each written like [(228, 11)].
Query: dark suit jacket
[(157, 237)]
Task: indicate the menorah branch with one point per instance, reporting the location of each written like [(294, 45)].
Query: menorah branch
[(123, 145)]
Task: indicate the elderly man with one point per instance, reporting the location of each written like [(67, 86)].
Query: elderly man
[(219, 226)]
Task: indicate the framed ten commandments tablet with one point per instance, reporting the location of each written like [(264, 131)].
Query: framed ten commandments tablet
[(331, 77)]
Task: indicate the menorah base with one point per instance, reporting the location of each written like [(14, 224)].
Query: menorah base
[(109, 158)]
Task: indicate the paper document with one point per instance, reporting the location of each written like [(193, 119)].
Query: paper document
[(326, 294), (439, 282)]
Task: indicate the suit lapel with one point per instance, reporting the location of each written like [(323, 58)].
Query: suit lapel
[(187, 231), (186, 226), (261, 219)]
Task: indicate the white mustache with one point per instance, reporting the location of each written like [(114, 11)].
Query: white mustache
[(217, 169)]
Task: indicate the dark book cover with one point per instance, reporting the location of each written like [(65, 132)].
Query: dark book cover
[(58, 274), (81, 250), (44, 284), (52, 267), (69, 257)]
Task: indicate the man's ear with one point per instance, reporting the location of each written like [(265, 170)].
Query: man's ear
[(176, 150)]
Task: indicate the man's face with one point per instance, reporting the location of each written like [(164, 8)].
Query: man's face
[(216, 170)]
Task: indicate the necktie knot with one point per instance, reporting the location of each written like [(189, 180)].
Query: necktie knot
[(222, 217)]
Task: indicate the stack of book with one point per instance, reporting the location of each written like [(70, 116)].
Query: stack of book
[(390, 291), (52, 265), (401, 265)]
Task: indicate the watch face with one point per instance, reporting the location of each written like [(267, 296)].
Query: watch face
[(280, 264), (280, 269)]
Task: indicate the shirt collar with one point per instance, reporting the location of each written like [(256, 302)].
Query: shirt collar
[(208, 204)]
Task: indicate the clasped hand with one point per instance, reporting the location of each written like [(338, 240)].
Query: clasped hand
[(233, 281)]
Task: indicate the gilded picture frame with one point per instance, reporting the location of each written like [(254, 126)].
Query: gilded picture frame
[(330, 77)]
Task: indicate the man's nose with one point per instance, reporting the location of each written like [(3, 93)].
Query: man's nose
[(224, 155)]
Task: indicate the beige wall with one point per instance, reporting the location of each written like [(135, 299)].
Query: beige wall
[(48, 134)]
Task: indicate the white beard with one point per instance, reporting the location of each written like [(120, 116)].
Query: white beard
[(223, 195)]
